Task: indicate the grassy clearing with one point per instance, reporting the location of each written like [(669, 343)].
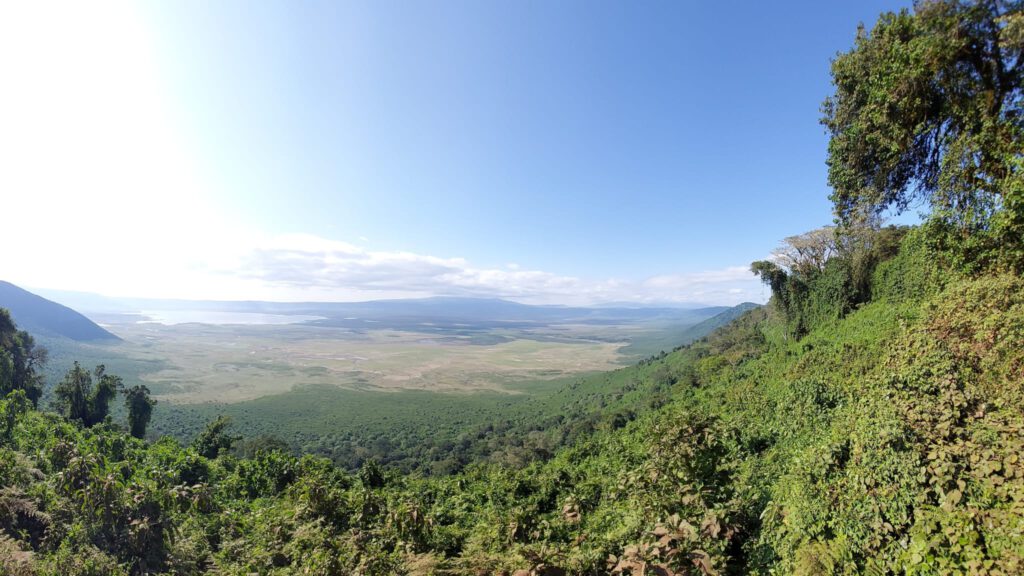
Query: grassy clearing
[(197, 364)]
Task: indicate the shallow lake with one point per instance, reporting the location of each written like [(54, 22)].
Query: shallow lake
[(171, 317)]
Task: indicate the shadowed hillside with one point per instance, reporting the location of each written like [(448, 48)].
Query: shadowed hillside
[(47, 318)]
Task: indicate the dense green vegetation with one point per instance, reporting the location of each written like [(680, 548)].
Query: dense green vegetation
[(869, 421), (929, 106), (20, 359), (437, 433)]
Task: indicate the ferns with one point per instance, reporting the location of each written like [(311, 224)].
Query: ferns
[(13, 560)]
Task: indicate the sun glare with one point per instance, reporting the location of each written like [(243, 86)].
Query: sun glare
[(90, 153)]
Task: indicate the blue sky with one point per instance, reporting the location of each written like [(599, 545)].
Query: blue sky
[(570, 152)]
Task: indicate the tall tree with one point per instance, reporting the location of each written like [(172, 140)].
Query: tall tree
[(19, 360), (215, 439), (79, 400), (807, 253), (928, 106), (104, 390), (140, 409), (71, 397)]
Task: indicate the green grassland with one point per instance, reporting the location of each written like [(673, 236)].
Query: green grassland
[(227, 364)]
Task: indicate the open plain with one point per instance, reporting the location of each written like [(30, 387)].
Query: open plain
[(201, 363)]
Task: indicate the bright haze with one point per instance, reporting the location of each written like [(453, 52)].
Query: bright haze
[(551, 153)]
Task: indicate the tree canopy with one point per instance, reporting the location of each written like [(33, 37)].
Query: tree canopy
[(928, 107), (80, 400), (19, 360), (808, 252), (215, 439), (140, 409)]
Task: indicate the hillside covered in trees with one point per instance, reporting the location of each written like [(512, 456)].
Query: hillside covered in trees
[(869, 420)]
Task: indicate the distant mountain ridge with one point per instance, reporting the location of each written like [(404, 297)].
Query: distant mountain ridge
[(37, 315), (438, 308), (698, 331)]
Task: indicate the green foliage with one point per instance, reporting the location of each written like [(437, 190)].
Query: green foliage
[(928, 103), (788, 292), (140, 409), (1007, 238), (215, 439), (80, 400), (13, 405), (251, 447), (20, 360), (824, 289), (913, 274), (370, 475), (438, 433)]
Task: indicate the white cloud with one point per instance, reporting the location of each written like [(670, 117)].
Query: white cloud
[(305, 267)]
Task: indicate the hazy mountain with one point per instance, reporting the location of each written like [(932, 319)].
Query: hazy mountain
[(497, 309), (86, 302), (45, 317), (442, 309), (698, 331), (675, 333)]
